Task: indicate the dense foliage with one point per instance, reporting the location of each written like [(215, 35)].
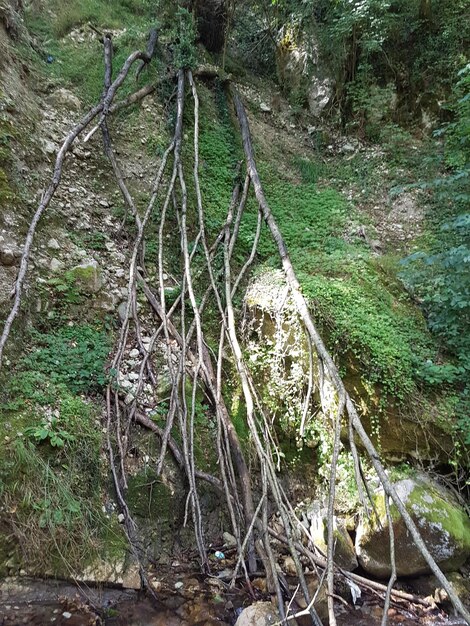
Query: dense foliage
[(440, 274), (401, 55)]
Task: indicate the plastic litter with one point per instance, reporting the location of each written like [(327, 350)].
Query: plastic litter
[(219, 555)]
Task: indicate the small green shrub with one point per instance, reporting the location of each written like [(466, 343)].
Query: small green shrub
[(49, 430), (184, 37)]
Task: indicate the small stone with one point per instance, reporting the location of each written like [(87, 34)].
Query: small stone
[(104, 204), (133, 376), (56, 265), (258, 613), (66, 615), (134, 353), (87, 275), (7, 257), (49, 147), (122, 312), (229, 540), (179, 585), (53, 244), (289, 566), (121, 518), (265, 107)]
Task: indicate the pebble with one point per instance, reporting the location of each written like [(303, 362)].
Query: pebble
[(229, 540), (66, 615), (134, 353), (179, 585)]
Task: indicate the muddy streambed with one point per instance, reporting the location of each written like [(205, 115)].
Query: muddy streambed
[(194, 602)]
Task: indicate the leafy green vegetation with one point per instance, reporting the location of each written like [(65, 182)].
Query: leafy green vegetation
[(73, 356), (49, 478), (184, 36), (440, 274), (50, 463)]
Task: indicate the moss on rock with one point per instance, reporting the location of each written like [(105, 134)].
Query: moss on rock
[(441, 521)]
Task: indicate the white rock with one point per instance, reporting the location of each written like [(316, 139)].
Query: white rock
[(53, 244), (49, 146), (229, 540), (64, 97), (258, 614), (56, 265)]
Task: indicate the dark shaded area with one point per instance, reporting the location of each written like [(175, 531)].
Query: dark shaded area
[(211, 17)]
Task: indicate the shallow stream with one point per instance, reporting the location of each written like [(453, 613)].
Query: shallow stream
[(196, 602)]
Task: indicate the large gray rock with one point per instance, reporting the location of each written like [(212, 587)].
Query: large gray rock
[(258, 614), (64, 97), (302, 74), (319, 95), (441, 521)]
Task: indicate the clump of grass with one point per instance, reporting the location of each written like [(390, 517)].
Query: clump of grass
[(51, 471), (50, 486)]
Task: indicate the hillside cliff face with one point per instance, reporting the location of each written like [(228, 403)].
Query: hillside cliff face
[(89, 337)]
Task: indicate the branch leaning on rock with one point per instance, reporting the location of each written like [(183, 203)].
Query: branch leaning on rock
[(325, 357)]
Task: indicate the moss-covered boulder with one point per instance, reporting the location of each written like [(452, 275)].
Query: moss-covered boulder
[(442, 522), (86, 276)]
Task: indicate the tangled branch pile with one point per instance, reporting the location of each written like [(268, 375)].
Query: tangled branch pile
[(192, 365)]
